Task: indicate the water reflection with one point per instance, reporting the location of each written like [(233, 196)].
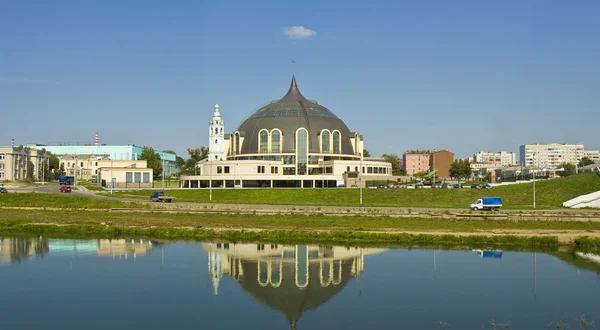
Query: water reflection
[(289, 278), (16, 250)]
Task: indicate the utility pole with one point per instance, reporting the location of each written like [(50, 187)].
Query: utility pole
[(360, 178), (210, 182), (163, 174), (533, 166)]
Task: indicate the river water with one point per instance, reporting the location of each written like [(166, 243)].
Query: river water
[(141, 284)]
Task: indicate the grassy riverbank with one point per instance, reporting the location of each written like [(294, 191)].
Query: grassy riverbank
[(63, 201), (550, 194), (298, 228)]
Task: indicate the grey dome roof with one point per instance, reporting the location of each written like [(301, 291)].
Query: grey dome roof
[(288, 114)]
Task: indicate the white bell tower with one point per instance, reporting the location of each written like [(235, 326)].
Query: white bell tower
[(216, 137)]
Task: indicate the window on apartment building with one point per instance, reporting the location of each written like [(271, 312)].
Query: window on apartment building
[(128, 177), (1, 156), (347, 168), (355, 168), (1, 166), (219, 169), (274, 169), (96, 163), (96, 172), (369, 170), (226, 169), (138, 177), (81, 164), (260, 169), (1, 175), (146, 178)]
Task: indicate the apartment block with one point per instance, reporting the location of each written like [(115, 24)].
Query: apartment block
[(550, 155), (416, 161), (502, 158)]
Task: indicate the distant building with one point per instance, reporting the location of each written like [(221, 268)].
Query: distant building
[(550, 155), (502, 158), (416, 161), (124, 174), (87, 156), (594, 155), (14, 161)]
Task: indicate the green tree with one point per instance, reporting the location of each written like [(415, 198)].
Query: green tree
[(30, 171), (366, 153), (460, 169), (53, 162), (153, 160), (60, 171), (196, 155), (395, 160), (568, 169), (585, 161)]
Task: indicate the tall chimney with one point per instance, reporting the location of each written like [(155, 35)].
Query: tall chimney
[(96, 140), (13, 143)]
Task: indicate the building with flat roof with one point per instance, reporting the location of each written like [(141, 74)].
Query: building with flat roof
[(19, 163), (85, 155), (502, 158), (417, 161), (550, 155), (291, 142), (124, 174)]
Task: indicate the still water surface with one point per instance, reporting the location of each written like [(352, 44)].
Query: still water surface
[(133, 284)]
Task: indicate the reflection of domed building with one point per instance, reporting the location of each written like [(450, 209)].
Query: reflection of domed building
[(292, 142), (292, 278)]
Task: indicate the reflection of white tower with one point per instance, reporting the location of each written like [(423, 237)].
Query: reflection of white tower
[(215, 269), (216, 137)]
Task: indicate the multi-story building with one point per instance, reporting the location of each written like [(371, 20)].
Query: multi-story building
[(550, 155), (17, 162), (87, 157), (416, 161), (502, 158), (593, 155)]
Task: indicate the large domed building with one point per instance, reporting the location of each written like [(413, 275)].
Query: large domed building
[(291, 142)]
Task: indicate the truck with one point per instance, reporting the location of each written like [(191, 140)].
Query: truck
[(160, 196), (487, 203), (64, 179)]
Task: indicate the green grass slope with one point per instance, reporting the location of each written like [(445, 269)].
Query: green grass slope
[(550, 194)]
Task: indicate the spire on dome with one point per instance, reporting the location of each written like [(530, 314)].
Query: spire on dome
[(216, 113), (293, 93)]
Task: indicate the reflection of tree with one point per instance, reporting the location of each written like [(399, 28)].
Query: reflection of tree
[(19, 249)]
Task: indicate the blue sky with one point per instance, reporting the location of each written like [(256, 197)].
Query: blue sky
[(465, 76)]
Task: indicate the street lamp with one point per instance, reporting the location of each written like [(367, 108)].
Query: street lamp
[(210, 181), (533, 166)]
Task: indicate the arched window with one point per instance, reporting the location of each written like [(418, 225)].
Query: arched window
[(216, 131), (263, 142), (301, 150), (325, 145), (336, 142), (275, 141)]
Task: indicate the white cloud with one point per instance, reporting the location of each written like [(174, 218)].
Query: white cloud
[(298, 32)]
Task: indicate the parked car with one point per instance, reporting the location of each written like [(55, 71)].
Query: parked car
[(410, 186), (65, 189), (436, 186), (446, 185), (371, 186), (380, 186), (487, 186), (458, 185), (353, 186), (3, 190), (476, 186), (419, 185)]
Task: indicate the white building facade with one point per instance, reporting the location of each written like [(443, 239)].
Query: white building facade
[(20, 163), (502, 158), (550, 155)]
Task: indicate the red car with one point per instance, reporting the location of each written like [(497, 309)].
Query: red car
[(65, 189)]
